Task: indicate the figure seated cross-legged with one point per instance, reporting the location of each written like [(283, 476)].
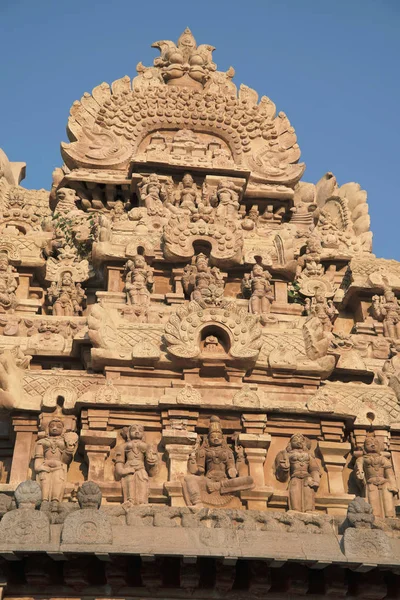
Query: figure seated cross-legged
[(213, 475)]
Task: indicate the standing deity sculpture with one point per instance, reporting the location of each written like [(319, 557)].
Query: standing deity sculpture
[(8, 285), (226, 200), (386, 309), (298, 465), (53, 454), (257, 286), (189, 195), (66, 297), (375, 473), (323, 309), (213, 474), (138, 284), (203, 283), (154, 195), (135, 461)]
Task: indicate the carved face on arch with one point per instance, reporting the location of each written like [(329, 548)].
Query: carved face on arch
[(136, 431)]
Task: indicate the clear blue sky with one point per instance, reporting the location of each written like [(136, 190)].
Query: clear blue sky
[(331, 65)]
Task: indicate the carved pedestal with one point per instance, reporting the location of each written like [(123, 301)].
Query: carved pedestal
[(334, 459), (97, 449), (178, 444), (256, 446)]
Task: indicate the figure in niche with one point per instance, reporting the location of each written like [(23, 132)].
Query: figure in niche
[(213, 474), (139, 284), (387, 310), (226, 200), (66, 297), (212, 345), (8, 285), (135, 461), (309, 264), (154, 195), (205, 284), (298, 465), (375, 473), (323, 309), (257, 286), (53, 454), (188, 195)]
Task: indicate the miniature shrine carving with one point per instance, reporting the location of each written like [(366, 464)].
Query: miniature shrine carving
[(213, 474), (135, 461)]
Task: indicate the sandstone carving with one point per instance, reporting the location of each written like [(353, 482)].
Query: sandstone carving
[(134, 462), (258, 288), (386, 308), (213, 474), (298, 465), (8, 285)]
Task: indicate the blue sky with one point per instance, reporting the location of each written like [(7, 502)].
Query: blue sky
[(332, 66)]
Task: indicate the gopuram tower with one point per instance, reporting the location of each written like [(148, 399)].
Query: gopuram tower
[(199, 380)]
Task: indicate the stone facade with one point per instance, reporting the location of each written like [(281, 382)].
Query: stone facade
[(192, 337)]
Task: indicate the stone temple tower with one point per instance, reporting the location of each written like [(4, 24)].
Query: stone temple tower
[(199, 380)]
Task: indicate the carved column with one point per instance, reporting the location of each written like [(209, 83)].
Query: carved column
[(178, 444), (334, 460), (178, 295), (97, 445), (256, 444), (25, 427)]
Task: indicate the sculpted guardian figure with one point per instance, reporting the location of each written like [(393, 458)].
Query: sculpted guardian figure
[(8, 285), (134, 462), (205, 284), (257, 285), (375, 473), (153, 195), (138, 283), (226, 200), (386, 309), (213, 473), (298, 465), (53, 454), (323, 309), (66, 297)]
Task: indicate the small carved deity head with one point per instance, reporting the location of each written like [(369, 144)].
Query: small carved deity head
[(136, 431), (201, 263), (187, 180), (389, 294), (299, 442), (215, 437), (66, 198), (67, 278), (56, 427), (3, 262), (139, 262), (372, 444)]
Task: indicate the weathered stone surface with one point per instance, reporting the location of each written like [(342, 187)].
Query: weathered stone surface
[(25, 528), (87, 526)]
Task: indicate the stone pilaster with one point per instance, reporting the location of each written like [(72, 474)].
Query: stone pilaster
[(25, 427), (178, 444), (97, 446), (255, 447), (334, 460)]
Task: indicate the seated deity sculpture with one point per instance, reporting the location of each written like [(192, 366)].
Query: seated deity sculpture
[(154, 195), (309, 264), (213, 476), (53, 454), (387, 310), (204, 283), (138, 284), (189, 195), (257, 286), (226, 200), (8, 285), (298, 465), (135, 461), (66, 297), (375, 474)]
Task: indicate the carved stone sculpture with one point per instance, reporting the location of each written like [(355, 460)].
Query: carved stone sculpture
[(135, 461), (323, 309), (298, 465), (54, 452), (226, 200), (204, 283), (257, 285), (213, 474), (189, 195), (375, 474), (66, 297), (8, 285), (386, 308), (138, 284), (153, 195)]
